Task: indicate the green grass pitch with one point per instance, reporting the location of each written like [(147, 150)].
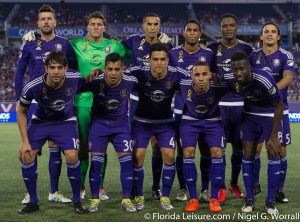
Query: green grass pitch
[(13, 189)]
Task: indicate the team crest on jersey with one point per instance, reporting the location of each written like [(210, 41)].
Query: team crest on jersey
[(211, 100), (38, 45), (44, 93), (107, 49), (124, 92), (290, 62), (58, 46), (202, 59), (219, 50), (237, 87), (180, 56), (189, 95), (169, 84), (276, 62), (69, 91)]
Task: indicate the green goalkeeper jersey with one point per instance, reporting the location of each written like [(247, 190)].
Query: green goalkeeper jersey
[(91, 56)]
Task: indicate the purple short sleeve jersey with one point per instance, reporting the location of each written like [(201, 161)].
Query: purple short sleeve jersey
[(140, 49), (53, 104), (155, 95), (222, 66), (111, 102), (202, 106), (260, 94), (275, 63), (33, 55)]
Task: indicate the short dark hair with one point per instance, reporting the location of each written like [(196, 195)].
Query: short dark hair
[(201, 63), (194, 21), (238, 56), (56, 57), (113, 57), (158, 47), (150, 14), (274, 24), (228, 15), (46, 8), (96, 15)]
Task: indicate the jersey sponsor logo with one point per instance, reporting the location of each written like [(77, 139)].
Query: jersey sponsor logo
[(112, 104), (68, 91), (58, 105), (157, 96), (290, 62), (225, 65), (201, 109), (45, 55), (123, 92), (58, 46), (95, 60), (276, 62), (107, 49), (169, 84)]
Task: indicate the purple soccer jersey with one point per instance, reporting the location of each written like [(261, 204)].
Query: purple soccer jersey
[(110, 102), (260, 95), (110, 114), (201, 115), (276, 63), (54, 105), (139, 49), (185, 60), (33, 55)]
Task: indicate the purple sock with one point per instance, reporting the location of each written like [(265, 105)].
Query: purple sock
[(30, 175), (95, 175), (283, 169), (157, 163), (274, 167), (205, 163), (168, 176), (126, 174), (236, 165), (216, 175), (138, 177), (54, 168), (179, 170), (247, 168), (74, 175), (190, 176), (256, 171)]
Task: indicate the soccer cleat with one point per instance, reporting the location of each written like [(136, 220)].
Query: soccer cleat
[(204, 196), (95, 205), (58, 198), (236, 191), (181, 195), (270, 208), (139, 202), (28, 208), (128, 206), (222, 195), (156, 193), (165, 203), (102, 195), (214, 205), (280, 197), (82, 193), (257, 190), (26, 199), (79, 208), (248, 207), (192, 205)]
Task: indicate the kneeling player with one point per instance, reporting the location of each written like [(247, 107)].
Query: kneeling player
[(111, 92), (53, 119), (201, 118)]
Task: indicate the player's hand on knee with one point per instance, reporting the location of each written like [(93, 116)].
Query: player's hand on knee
[(273, 145), (24, 151), (30, 36), (164, 38)]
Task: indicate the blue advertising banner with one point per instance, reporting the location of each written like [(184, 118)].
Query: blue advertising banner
[(10, 117)]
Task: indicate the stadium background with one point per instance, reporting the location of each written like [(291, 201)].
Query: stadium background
[(124, 18)]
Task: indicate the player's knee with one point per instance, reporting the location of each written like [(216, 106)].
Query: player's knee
[(282, 151), (168, 156), (216, 152), (71, 157), (28, 158), (272, 154), (188, 153), (258, 150), (52, 144)]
